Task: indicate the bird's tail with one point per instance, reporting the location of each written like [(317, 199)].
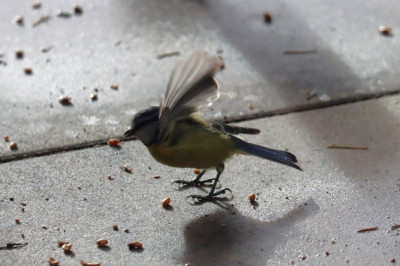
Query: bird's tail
[(282, 157)]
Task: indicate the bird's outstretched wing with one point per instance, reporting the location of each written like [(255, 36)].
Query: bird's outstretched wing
[(234, 129), (191, 87)]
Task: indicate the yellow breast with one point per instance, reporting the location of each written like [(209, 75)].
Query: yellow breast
[(194, 146)]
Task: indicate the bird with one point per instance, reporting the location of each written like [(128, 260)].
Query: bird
[(176, 135)]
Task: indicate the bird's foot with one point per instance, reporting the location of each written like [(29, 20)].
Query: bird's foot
[(179, 184), (199, 199)]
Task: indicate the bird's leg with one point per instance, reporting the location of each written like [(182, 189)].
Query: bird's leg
[(195, 182), (212, 193)]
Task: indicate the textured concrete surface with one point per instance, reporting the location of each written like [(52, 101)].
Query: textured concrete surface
[(304, 218), (118, 42)]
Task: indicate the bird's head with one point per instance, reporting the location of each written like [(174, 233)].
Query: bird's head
[(144, 125)]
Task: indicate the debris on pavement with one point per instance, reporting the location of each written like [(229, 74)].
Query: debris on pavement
[(65, 100), (113, 142), (394, 227), (13, 246), (84, 263), (346, 147), (135, 245), (166, 202), (13, 145), (41, 20), (386, 31), (267, 17), (53, 262), (367, 229), (164, 55), (296, 52), (127, 169), (102, 242)]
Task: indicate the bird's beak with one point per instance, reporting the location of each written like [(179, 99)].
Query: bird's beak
[(128, 133)]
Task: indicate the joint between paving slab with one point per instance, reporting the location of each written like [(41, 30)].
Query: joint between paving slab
[(283, 111), (312, 106)]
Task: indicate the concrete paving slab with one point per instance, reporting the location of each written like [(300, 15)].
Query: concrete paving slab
[(118, 42), (302, 218)]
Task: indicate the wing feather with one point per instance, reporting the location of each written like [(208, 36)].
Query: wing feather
[(191, 87)]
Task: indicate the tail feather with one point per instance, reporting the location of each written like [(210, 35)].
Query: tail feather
[(282, 157)]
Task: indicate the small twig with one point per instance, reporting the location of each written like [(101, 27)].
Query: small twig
[(396, 226), (311, 94), (161, 56), (13, 246), (367, 229), (334, 146), (40, 20), (300, 51)]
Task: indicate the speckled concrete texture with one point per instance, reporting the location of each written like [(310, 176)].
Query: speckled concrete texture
[(306, 218), (301, 218)]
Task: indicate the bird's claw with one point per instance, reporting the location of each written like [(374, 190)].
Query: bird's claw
[(199, 199)]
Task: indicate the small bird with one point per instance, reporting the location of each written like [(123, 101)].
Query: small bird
[(177, 136)]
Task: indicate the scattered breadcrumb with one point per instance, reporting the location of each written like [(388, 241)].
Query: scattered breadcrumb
[(110, 177), (44, 226), (85, 263), (113, 143), (135, 245), (19, 54), (126, 231), (78, 10), (67, 247), (386, 31), (41, 20), (65, 100), (61, 243), (115, 227), (36, 5), (13, 145), (114, 86), (127, 169), (17, 221), (6, 138), (94, 96), (166, 202), (53, 262), (102, 242), (267, 17), (252, 197), (18, 20), (393, 261), (28, 71), (196, 171), (368, 229)]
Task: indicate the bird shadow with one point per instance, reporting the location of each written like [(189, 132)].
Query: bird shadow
[(227, 238)]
